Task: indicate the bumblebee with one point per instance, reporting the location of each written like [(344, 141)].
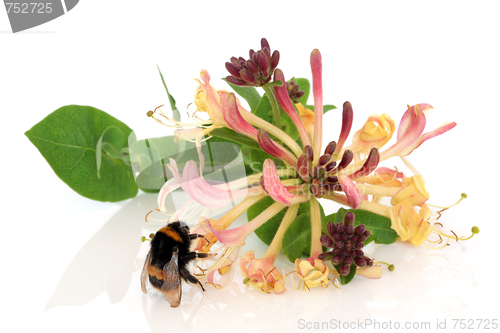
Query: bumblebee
[(167, 261)]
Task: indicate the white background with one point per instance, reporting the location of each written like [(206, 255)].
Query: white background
[(70, 264)]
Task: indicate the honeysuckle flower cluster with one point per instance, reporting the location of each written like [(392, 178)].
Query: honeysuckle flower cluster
[(300, 172)]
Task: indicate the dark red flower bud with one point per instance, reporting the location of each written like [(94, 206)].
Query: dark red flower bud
[(264, 43), (345, 269), (235, 81), (360, 261), (330, 148), (326, 241), (232, 69), (346, 159), (275, 59), (349, 219), (246, 75), (324, 159), (336, 259), (360, 229), (330, 228)]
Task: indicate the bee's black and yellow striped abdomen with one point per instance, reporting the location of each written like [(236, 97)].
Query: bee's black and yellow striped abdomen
[(172, 236)]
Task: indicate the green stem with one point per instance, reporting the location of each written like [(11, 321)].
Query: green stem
[(274, 105)]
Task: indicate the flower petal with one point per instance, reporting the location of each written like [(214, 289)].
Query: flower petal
[(272, 149), (285, 102), (234, 118), (272, 185), (317, 68), (204, 193), (354, 198)]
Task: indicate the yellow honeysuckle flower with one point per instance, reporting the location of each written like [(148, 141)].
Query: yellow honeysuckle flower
[(413, 189), (314, 272), (410, 225)]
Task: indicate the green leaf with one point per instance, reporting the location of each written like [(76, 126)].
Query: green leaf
[(226, 133), (379, 226), (326, 107), (257, 158), (266, 231), (345, 279), (67, 138), (250, 94), (176, 113), (303, 85), (111, 141)]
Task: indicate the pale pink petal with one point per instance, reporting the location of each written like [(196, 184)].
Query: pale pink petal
[(354, 198), (438, 131), (274, 188), (167, 188), (204, 193)]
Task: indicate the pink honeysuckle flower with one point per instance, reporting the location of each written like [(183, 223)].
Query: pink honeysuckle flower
[(286, 104), (234, 118), (237, 236), (410, 131), (261, 273), (353, 196), (275, 189), (201, 191), (317, 68), (208, 99), (240, 124), (270, 147)]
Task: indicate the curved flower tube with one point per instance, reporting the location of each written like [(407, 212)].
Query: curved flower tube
[(317, 68), (410, 131), (286, 104), (237, 236), (275, 189)]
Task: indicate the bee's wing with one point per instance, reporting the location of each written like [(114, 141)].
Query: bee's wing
[(171, 287), (144, 274)]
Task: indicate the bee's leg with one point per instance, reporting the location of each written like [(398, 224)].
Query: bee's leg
[(190, 278), (193, 255), (194, 236)]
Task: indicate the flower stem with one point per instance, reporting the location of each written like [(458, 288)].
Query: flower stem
[(316, 248), (274, 105), (275, 247)]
